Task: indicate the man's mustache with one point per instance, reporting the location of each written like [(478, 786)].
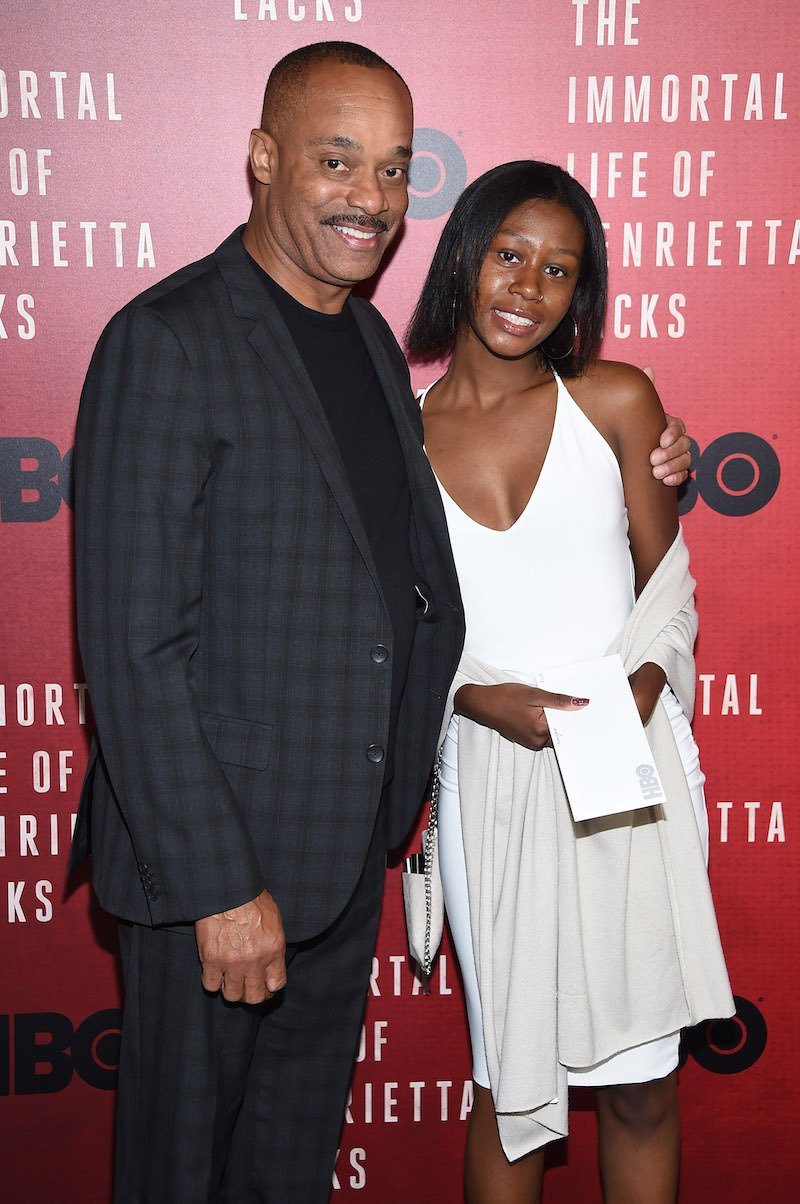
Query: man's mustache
[(356, 219)]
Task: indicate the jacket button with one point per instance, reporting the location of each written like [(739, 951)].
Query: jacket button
[(375, 753), (379, 653)]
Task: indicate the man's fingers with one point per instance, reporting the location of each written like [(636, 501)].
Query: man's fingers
[(673, 471), (249, 984), (675, 432), (212, 978), (255, 986), (255, 990), (672, 464), (276, 976), (233, 987)]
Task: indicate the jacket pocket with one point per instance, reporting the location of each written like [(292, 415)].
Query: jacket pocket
[(238, 741)]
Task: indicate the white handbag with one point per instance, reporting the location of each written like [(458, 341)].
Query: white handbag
[(423, 897)]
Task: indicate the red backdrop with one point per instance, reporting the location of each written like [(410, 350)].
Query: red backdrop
[(124, 134)]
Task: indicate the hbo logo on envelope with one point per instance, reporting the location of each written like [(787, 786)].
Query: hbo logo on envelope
[(649, 784)]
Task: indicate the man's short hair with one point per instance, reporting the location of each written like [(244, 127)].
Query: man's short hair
[(287, 80)]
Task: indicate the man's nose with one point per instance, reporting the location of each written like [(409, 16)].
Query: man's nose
[(368, 195)]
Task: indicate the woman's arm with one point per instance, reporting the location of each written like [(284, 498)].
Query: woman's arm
[(624, 405), (672, 459), (514, 710)]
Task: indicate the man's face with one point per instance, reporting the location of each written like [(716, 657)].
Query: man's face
[(337, 182)]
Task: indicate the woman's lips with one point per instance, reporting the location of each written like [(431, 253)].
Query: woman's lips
[(514, 321)]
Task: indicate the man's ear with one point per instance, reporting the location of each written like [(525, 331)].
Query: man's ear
[(263, 155)]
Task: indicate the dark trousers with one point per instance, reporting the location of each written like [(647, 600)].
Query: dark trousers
[(236, 1103)]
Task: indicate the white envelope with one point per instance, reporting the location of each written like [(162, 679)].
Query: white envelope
[(602, 750)]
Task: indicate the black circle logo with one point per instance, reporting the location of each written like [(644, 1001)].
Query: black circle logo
[(737, 474), (437, 174), (727, 1046)]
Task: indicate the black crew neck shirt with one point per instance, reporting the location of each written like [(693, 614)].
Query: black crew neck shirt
[(344, 377)]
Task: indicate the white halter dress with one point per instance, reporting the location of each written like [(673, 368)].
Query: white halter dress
[(555, 588)]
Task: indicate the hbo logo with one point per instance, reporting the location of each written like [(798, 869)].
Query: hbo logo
[(437, 175), (47, 1051), (737, 474), (727, 1046)]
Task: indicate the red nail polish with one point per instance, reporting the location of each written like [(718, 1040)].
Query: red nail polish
[(580, 702)]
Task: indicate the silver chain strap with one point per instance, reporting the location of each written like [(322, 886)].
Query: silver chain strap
[(430, 850)]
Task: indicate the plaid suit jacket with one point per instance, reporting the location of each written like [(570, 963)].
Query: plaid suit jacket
[(228, 606)]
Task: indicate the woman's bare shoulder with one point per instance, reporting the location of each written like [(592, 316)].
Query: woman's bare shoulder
[(615, 381), (616, 391)]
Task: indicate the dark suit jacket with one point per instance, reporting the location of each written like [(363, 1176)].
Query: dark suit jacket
[(228, 609)]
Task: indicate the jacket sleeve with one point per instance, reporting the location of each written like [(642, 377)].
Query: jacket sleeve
[(142, 465)]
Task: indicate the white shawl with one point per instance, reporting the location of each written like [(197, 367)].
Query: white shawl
[(589, 938)]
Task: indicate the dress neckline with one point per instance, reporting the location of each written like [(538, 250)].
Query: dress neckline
[(547, 456)]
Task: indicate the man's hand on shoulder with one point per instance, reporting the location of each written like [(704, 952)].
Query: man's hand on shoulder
[(242, 951), (672, 459)]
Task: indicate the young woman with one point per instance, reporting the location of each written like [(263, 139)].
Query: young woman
[(584, 947)]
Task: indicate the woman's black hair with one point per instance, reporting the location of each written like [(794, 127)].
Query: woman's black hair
[(447, 300)]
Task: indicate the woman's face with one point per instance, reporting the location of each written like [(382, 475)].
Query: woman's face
[(527, 279)]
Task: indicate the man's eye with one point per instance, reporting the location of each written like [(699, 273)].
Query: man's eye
[(395, 173), (333, 164)]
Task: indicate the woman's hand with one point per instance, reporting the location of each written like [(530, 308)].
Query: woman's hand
[(647, 682), (514, 710)]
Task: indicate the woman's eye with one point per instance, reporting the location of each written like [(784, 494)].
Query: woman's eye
[(508, 257)]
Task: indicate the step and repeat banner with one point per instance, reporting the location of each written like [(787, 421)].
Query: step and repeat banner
[(124, 135)]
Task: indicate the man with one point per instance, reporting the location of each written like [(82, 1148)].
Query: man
[(269, 620)]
